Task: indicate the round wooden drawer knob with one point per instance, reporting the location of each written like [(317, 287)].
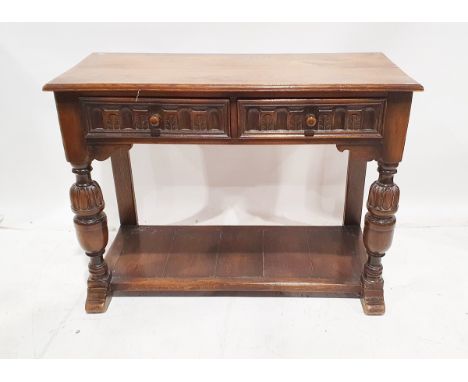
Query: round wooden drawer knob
[(311, 121), (154, 120)]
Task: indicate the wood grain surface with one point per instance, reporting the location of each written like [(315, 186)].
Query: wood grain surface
[(221, 72), (238, 258)]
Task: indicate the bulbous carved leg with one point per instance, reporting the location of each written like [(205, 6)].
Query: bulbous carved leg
[(91, 228), (382, 205)]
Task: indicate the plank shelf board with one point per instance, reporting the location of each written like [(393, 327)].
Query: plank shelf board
[(292, 259)]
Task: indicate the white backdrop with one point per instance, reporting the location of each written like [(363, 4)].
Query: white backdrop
[(232, 185)]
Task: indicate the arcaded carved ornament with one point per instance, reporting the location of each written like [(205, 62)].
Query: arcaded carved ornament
[(329, 117), (140, 117)]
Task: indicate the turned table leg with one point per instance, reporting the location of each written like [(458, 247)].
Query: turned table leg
[(378, 233), (91, 229)]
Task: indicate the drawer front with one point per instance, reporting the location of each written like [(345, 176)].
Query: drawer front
[(310, 117), (147, 117)]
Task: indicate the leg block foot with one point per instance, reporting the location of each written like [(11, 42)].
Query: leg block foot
[(372, 299), (97, 299)]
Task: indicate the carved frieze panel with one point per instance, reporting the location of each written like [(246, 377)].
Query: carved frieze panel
[(171, 117), (330, 116)]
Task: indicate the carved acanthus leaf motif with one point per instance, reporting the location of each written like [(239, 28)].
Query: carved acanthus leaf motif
[(86, 199), (383, 199)]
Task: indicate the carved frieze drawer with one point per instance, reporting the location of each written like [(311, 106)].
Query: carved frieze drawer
[(311, 117), (147, 117)]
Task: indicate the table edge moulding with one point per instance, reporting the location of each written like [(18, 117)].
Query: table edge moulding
[(359, 102)]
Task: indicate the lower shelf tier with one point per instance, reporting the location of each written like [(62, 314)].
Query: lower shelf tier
[(310, 260)]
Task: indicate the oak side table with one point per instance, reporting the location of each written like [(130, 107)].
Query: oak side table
[(359, 102)]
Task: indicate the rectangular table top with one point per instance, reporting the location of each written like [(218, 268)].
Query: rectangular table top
[(234, 72)]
